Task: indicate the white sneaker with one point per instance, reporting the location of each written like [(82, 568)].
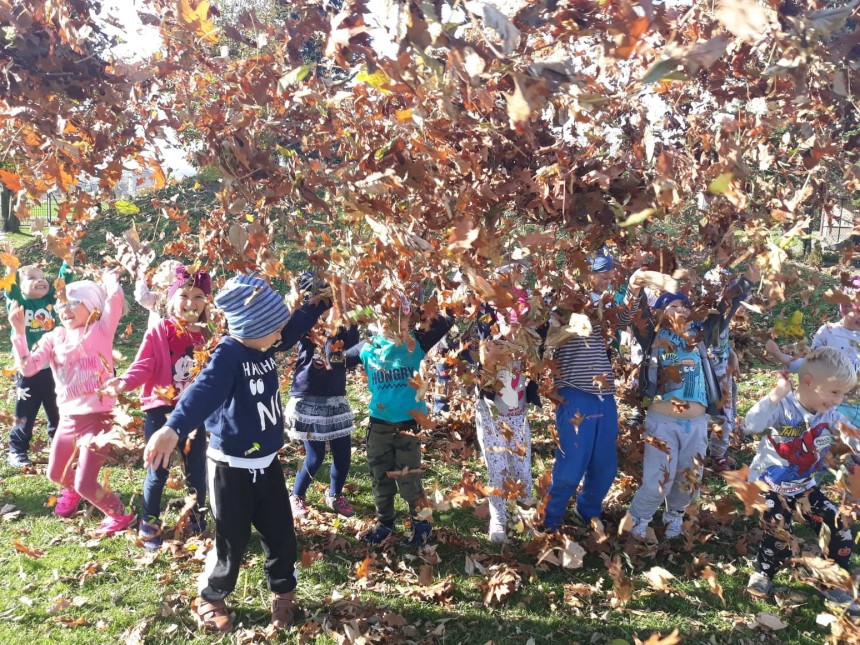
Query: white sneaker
[(759, 585), (674, 523), (640, 529), (497, 533), (299, 506)]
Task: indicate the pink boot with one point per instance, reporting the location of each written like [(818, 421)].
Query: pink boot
[(67, 503)]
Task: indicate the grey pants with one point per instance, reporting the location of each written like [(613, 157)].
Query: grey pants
[(662, 473), (718, 444)]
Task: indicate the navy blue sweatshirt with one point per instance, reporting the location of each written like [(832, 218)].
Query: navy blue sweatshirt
[(237, 395), (313, 377)]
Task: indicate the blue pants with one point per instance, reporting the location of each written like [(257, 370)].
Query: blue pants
[(341, 455), (589, 452), (193, 455), (32, 392)]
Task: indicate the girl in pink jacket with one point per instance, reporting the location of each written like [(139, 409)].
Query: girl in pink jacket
[(80, 354), (164, 367)]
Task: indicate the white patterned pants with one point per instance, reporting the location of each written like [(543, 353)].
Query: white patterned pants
[(506, 445)]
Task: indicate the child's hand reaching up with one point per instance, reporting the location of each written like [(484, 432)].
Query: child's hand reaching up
[(16, 318), (781, 389), (115, 386), (159, 447)]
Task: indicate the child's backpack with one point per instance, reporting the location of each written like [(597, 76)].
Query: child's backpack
[(649, 376)]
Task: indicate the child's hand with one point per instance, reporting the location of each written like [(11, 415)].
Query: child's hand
[(115, 386), (782, 388), (110, 280), (753, 273), (16, 317), (734, 367), (773, 350), (159, 447)]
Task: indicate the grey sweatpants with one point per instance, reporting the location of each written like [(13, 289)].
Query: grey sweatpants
[(718, 444), (662, 477)]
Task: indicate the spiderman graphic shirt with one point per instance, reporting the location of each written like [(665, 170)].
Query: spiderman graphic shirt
[(794, 444)]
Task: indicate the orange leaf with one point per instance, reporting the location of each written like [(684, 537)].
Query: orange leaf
[(23, 548), (10, 180), (10, 260)]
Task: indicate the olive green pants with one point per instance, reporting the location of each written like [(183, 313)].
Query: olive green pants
[(390, 449)]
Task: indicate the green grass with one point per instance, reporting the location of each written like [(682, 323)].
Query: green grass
[(86, 591)]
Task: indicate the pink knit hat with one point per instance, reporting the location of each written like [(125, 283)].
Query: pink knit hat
[(88, 293)]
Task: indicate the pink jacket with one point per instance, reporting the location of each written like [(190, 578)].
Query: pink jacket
[(152, 367), (81, 359)]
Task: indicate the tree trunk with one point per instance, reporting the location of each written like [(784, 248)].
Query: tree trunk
[(11, 224)]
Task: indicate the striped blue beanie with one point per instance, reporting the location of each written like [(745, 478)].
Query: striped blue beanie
[(252, 308)]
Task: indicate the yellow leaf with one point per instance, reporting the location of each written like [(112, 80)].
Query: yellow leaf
[(10, 260), (10, 180), (720, 184), (403, 115), (638, 218), (7, 281), (376, 80), (197, 20)]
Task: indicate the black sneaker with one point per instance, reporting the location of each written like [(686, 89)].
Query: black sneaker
[(377, 534)]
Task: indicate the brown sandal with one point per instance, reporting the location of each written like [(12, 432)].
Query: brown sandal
[(283, 609), (211, 615)]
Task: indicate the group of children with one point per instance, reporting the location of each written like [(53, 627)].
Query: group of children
[(228, 419)]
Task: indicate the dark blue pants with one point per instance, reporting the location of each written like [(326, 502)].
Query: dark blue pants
[(193, 456), (32, 393), (587, 454), (341, 455)]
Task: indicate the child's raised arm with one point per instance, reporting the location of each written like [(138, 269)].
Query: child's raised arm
[(29, 362), (767, 412), (301, 321), (114, 300), (438, 328)]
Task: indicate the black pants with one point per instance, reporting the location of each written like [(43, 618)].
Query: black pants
[(32, 393), (774, 551), (238, 499)]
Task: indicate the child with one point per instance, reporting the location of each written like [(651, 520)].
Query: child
[(318, 412), (153, 299), (500, 413), (800, 428), (586, 384), (237, 395), (391, 364), (32, 291), (677, 417), (81, 355), (724, 362), (844, 335), (163, 366)]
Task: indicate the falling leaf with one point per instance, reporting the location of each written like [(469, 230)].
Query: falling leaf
[(721, 184), (658, 578), (197, 19), (23, 548), (710, 577), (747, 20)]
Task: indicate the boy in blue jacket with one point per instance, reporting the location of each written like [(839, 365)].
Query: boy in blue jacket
[(237, 396)]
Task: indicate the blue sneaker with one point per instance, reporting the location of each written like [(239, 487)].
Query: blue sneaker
[(150, 534), (421, 532), (377, 534)]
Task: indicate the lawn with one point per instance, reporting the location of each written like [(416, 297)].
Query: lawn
[(62, 586)]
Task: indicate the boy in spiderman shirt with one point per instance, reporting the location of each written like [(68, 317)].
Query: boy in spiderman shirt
[(799, 428)]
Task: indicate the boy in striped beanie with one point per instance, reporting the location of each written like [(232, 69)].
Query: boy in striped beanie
[(237, 396)]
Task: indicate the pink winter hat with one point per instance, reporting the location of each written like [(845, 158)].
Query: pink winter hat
[(87, 292)]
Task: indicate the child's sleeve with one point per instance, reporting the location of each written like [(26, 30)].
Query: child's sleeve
[(351, 337), (438, 328), (114, 302), (206, 393), (762, 416), (301, 321), (144, 365), (352, 356), (644, 324), (144, 296), (29, 361)]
